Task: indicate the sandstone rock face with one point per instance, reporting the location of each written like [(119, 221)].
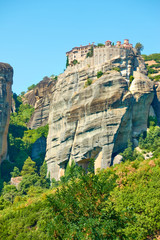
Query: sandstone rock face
[(6, 80), (96, 121), (39, 98), (38, 148)]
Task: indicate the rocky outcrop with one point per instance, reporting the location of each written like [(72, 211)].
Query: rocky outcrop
[(39, 98), (97, 121), (6, 80), (38, 148)]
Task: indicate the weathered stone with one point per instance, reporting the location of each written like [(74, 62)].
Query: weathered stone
[(39, 98), (152, 112), (117, 159), (96, 121), (38, 148), (6, 80)]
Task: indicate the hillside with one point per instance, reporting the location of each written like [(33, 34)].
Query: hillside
[(121, 202), (153, 66)]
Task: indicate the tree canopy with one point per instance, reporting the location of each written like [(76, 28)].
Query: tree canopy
[(139, 47)]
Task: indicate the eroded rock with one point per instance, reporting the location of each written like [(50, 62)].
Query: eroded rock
[(6, 80), (96, 121)]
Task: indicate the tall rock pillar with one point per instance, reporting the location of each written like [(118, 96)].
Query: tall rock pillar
[(6, 80)]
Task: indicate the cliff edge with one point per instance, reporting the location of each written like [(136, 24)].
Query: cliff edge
[(96, 120), (6, 80)]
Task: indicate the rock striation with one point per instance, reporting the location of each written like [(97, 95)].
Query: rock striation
[(96, 121), (6, 80), (39, 98)]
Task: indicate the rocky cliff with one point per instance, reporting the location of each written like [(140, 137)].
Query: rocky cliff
[(39, 98), (6, 80), (96, 121)]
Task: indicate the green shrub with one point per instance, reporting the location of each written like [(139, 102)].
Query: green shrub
[(100, 45), (28, 167), (154, 56), (116, 69), (155, 65), (15, 172), (99, 74), (88, 83), (67, 62), (151, 70), (90, 53), (31, 87), (74, 62), (131, 78), (139, 47)]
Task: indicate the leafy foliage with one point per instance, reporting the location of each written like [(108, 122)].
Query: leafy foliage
[(154, 56), (31, 87), (21, 140), (15, 172), (151, 140), (67, 62), (74, 61), (100, 45), (99, 74), (88, 82), (90, 53), (131, 78), (28, 167), (116, 69), (120, 202), (139, 46)]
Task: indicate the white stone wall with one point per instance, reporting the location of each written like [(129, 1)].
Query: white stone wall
[(101, 55)]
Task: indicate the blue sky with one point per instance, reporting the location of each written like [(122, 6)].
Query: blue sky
[(35, 34)]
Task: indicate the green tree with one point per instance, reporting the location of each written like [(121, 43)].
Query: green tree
[(74, 61), (100, 45), (22, 93), (15, 172), (139, 47), (90, 53), (31, 87), (88, 83), (72, 171), (28, 167), (131, 79), (9, 192), (99, 74), (67, 62), (43, 170)]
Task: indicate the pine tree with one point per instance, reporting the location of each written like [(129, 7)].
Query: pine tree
[(67, 62), (28, 167), (15, 172)]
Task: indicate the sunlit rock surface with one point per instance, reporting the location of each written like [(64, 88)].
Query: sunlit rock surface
[(98, 120)]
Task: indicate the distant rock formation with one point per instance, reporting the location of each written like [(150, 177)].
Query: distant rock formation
[(39, 98), (6, 80), (97, 121)]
